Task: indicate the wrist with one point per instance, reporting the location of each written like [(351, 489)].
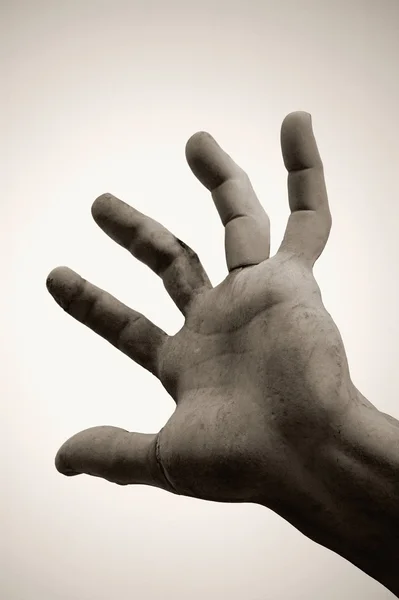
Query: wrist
[(355, 493), (365, 475)]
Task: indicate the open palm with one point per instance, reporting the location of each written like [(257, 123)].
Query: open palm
[(258, 369)]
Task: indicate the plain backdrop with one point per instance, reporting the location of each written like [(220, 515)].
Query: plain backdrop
[(101, 96)]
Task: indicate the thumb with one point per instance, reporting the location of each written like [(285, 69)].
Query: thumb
[(114, 454)]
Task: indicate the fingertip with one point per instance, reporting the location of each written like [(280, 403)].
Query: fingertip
[(209, 162), (298, 142), (100, 204), (63, 284), (298, 117), (196, 142), (58, 275), (61, 464)]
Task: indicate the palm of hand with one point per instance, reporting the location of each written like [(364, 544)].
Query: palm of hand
[(257, 369), (256, 373)]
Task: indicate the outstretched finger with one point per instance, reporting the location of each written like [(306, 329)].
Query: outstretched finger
[(114, 454), (124, 328), (150, 242), (309, 224), (247, 226)]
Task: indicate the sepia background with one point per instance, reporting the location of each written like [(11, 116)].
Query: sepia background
[(101, 96)]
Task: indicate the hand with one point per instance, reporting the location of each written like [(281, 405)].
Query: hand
[(258, 371)]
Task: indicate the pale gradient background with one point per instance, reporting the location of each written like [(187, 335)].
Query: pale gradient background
[(101, 96)]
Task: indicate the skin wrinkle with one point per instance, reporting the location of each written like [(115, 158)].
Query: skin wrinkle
[(85, 319), (252, 309), (165, 256), (242, 179), (222, 354), (182, 276), (305, 169), (158, 458), (125, 325), (246, 203), (239, 216)]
